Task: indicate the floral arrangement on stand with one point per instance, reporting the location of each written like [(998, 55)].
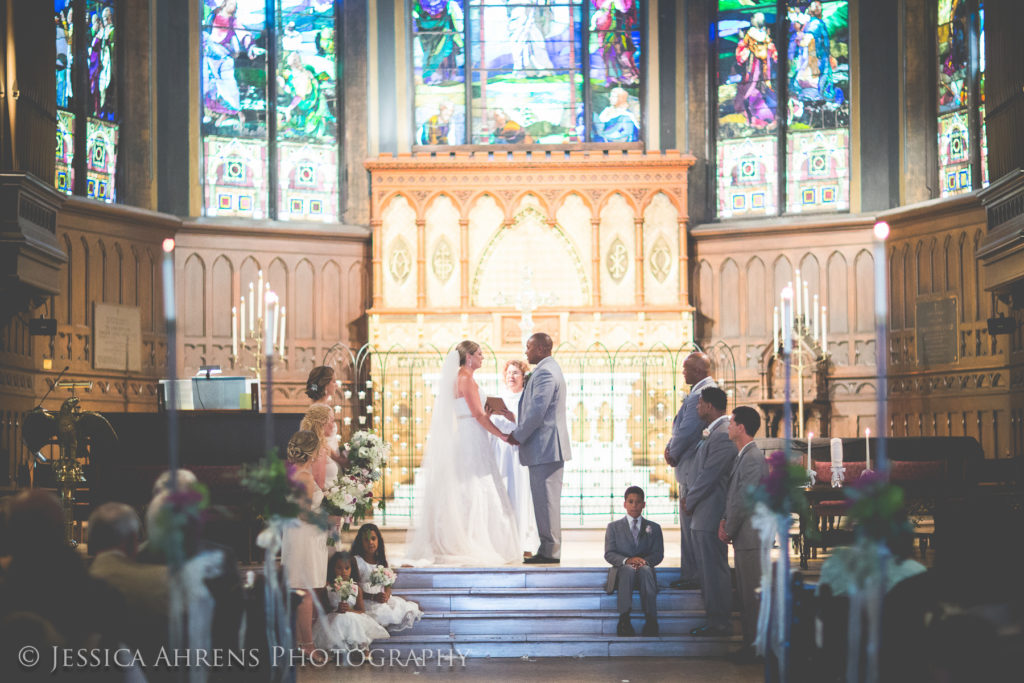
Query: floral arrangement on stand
[(350, 496), (878, 517), (780, 496)]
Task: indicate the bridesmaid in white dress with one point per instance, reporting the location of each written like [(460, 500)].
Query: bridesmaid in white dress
[(514, 474), (320, 390), (304, 545), (390, 611)]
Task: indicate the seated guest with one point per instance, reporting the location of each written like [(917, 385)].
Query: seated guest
[(634, 547), (47, 597), (749, 469), (185, 479), (114, 532)]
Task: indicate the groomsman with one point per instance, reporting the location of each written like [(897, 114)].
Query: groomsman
[(705, 504), (680, 453), (748, 470)]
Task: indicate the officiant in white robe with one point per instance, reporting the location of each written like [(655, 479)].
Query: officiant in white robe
[(514, 475)]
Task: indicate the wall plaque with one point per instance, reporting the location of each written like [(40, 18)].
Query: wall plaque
[(117, 338), (937, 331)]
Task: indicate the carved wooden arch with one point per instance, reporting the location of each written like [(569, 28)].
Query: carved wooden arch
[(476, 196), (607, 197), (434, 196), (651, 194), (562, 198), (388, 197), (514, 206)]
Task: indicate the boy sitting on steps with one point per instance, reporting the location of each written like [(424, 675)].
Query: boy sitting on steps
[(634, 546)]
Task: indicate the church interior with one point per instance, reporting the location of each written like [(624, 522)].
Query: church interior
[(203, 201)]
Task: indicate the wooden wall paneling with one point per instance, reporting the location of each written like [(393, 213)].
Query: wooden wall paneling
[(279, 275), (222, 291), (838, 285), (729, 300), (706, 302), (758, 311), (330, 305), (301, 313), (864, 289), (782, 274), (194, 307)]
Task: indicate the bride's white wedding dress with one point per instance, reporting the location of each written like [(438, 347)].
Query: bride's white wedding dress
[(464, 517)]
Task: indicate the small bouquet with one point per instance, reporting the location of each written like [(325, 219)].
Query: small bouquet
[(381, 577), (350, 497), (367, 455), (346, 590)]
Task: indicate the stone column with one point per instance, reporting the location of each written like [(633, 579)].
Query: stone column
[(638, 241), (464, 263), (595, 256), (421, 263), (376, 226)]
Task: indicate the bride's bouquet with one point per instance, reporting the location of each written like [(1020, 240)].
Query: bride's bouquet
[(350, 497), (382, 577), (367, 455), (346, 590)]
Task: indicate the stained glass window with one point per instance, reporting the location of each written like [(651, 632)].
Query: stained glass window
[(91, 114), (269, 109), (526, 71), (809, 71), (960, 38)]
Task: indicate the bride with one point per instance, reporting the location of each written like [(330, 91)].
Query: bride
[(466, 517)]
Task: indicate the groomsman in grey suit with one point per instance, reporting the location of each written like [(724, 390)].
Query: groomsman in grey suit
[(748, 470), (633, 546), (680, 453), (705, 503), (543, 439)]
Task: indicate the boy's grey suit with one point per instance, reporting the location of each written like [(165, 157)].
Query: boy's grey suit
[(747, 472), (619, 546), (543, 437), (705, 501), (680, 453)]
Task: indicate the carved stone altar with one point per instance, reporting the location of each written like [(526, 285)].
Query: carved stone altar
[(604, 234)]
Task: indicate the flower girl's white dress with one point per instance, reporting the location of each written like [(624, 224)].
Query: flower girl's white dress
[(346, 630), (397, 614)]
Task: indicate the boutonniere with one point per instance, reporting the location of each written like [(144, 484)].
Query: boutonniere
[(647, 529), (706, 433), (526, 378)]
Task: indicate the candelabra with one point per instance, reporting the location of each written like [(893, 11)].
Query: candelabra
[(265, 332), (807, 327)]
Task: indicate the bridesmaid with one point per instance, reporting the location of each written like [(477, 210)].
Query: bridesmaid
[(320, 389)]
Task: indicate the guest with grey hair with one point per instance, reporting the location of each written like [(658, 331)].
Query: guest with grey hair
[(185, 479)]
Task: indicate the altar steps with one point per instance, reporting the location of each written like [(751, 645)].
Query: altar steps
[(544, 612)]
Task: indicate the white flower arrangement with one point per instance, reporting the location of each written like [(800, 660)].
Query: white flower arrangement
[(382, 576), (349, 496), (367, 455), (346, 590)]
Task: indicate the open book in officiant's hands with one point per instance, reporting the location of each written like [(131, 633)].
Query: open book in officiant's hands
[(494, 405)]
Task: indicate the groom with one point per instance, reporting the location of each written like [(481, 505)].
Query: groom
[(543, 439)]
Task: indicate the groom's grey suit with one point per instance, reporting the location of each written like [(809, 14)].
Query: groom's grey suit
[(543, 437)]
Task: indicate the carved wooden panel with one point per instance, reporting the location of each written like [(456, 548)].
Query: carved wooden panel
[(838, 293)]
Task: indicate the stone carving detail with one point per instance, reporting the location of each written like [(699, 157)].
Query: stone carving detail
[(617, 260), (443, 261), (660, 260), (400, 261)]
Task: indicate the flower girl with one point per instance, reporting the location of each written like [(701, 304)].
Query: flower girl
[(376, 579), (346, 627)]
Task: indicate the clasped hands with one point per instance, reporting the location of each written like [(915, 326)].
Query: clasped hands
[(636, 562)]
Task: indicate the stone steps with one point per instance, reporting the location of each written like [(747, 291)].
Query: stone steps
[(545, 611)]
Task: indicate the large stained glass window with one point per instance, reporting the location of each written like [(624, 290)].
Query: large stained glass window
[(87, 97), (808, 72), (526, 71), (269, 109), (960, 39)]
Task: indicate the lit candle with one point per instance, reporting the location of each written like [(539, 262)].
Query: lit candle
[(775, 330), (266, 302), (824, 326), (172, 359), (268, 324), (810, 438), (284, 314), (787, 314), (815, 316), (796, 293), (792, 315), (259, 290), (277, 320), (881, 232), (806, 308), (867, 449), (234, 331), (241, 320), (252, 307)]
